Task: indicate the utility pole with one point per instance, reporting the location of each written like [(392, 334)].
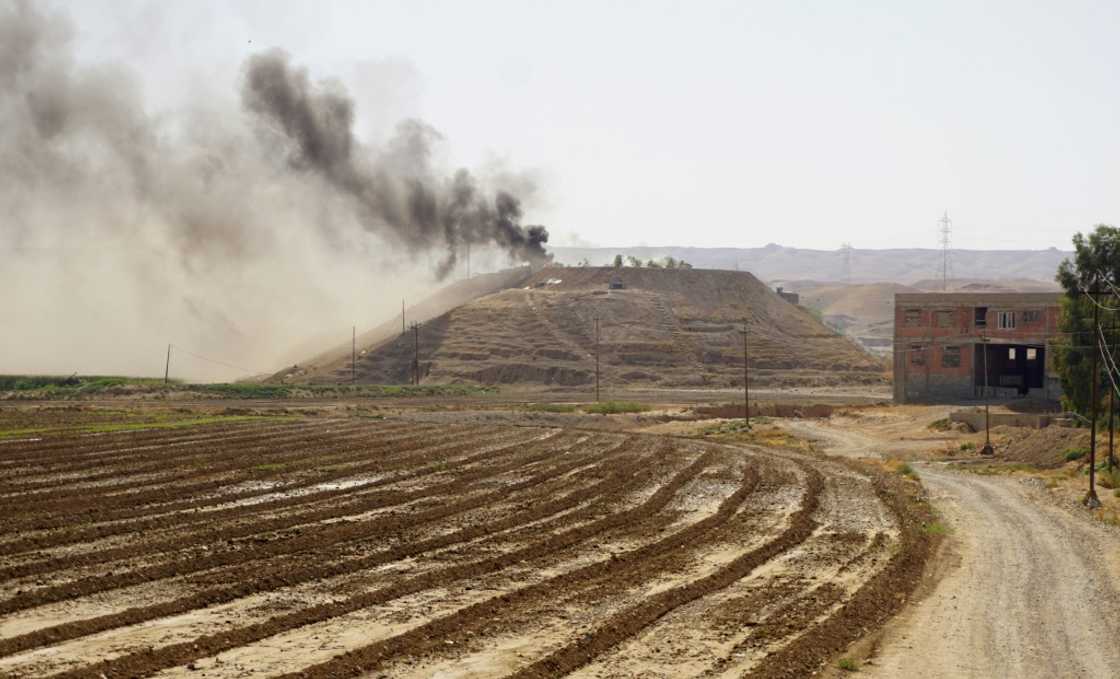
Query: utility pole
[(596, 359), (416, 353), (468, 260), (987, 449), (1091, 499), (1111, 427), (354, 354), (167, 366), (746, 379), (945, 231), (402, 316)]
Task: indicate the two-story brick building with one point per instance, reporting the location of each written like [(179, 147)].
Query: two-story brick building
[(948, 346)]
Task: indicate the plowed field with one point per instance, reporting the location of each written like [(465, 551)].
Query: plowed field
[(347, 547)]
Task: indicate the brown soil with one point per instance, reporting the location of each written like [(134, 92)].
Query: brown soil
[(342, 547)]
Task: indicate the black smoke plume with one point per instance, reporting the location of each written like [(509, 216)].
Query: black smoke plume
[(398, 192)]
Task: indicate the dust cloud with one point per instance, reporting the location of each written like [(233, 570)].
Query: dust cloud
[(248, 229)]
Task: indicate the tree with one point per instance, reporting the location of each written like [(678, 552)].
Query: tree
[(670, 263), (1090, 281), (634, 262), (618, 261), (583, 262), (652, 264), (683, 265)]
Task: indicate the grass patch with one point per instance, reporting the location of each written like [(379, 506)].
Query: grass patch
[(968, 447), (935, 528), (848, 665), (615, 408), (906, 470), (551, 407), (46, 387), (1074, 454)]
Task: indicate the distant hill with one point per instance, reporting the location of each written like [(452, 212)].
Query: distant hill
[(675, 328), (333, 364), (775, 262)]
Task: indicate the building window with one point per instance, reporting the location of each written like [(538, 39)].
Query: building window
[(980, 317), (1032, 317), (1011, 354), (1032, 354), (951, 357), (913, 317), (1006, 320), (944, 319), (917, 354)]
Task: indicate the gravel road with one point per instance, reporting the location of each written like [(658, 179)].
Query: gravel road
[(1031, 591)]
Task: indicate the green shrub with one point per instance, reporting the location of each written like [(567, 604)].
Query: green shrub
[(968, 446), (941, 425), (905, 469), (1074, 454), (848, 665), (935, 528)]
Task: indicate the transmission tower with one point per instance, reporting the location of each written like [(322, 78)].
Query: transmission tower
[(945, 232), (846, 251)]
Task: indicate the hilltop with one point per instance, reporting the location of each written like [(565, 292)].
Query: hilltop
[(903, 265), (677, 328)]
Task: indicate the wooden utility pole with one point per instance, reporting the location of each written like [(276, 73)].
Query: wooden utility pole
[(416, 353), (1091, 499), (402, 317), (987, 449), (746, 378), (354, 354), (1111, 426), (167, 366), (596, 359)]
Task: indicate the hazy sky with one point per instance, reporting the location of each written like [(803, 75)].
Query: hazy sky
[(704, 123)]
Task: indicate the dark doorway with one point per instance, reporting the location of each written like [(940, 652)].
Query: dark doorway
[(1011, 366)]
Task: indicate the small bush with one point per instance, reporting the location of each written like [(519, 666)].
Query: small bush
[(936, 528), (941, 425), (1074, 454), (848, 665), (968, 447), (905, 469), (615, 408)]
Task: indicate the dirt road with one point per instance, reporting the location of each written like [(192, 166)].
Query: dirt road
[(1030, 592), (1026, 590)]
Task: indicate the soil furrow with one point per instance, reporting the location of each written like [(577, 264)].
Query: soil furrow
[(316, 540), (629, 622), (402, 452), (146, 662), (620, 468)]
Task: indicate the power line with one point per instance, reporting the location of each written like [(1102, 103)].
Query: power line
[(215, 361)]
